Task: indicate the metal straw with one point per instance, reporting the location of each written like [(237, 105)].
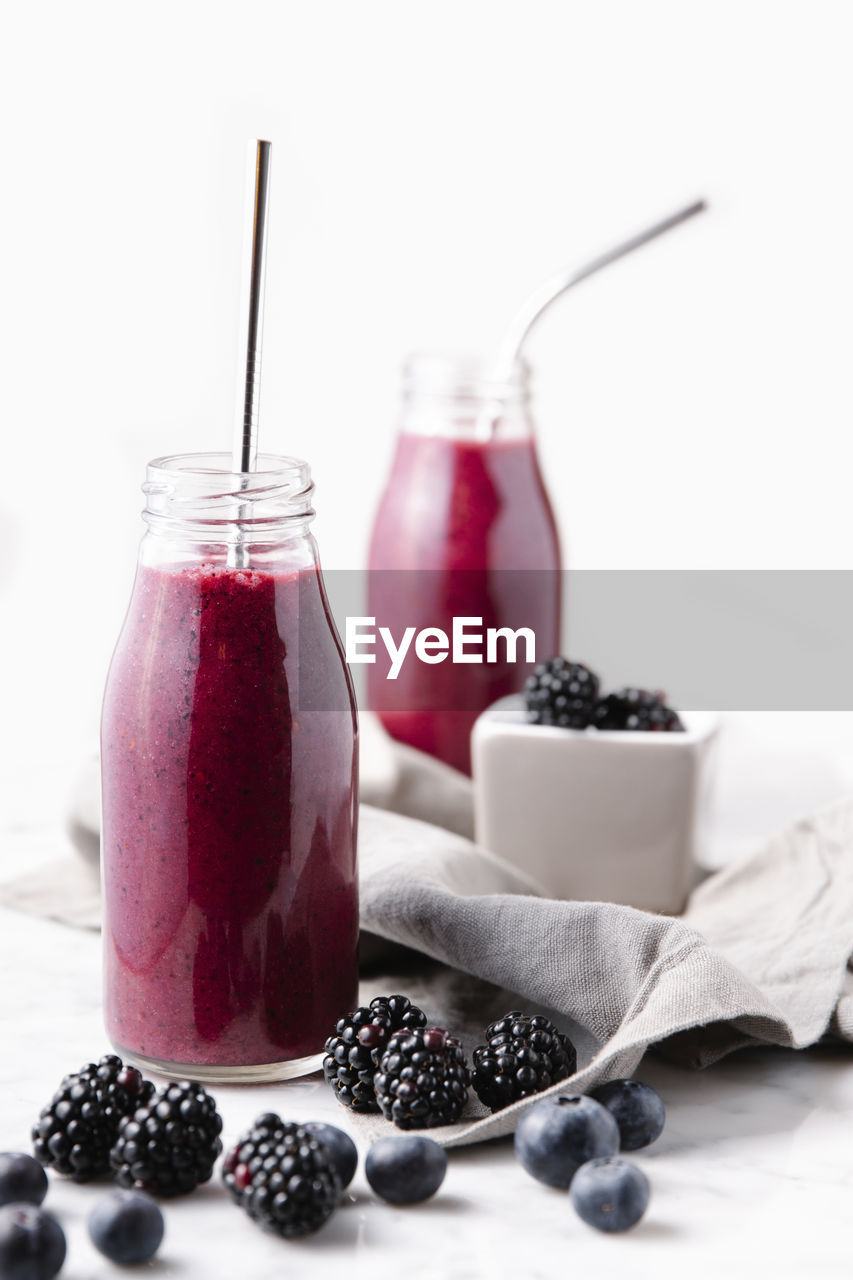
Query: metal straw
[(251, 331), (556, 285)]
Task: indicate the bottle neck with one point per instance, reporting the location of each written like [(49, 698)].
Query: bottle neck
[(198, 507), (462, 399)]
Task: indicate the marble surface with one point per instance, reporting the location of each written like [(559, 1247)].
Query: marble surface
[(753, 1168), (752, 1173)]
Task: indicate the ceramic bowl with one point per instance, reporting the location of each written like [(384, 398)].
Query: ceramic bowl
[(598, 816)]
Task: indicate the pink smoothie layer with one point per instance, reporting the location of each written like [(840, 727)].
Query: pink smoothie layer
[(468, 530), (228, 820)]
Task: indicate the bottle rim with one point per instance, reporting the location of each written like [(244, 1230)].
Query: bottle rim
[(460, 376), (204, 490)]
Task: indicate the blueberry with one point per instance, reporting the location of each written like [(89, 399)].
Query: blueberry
[(32, 1243), (342, 1147), (405, 1170), (637, 1109), (558, 1135), (22, 1179), (127, 1227), (610, 1194)]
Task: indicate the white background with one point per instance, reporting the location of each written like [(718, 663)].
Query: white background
[(432, 162)]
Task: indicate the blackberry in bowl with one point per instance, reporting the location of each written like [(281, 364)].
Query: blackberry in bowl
[(636, 711), (561, 693)]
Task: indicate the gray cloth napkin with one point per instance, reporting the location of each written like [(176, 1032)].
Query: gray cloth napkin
[(758, 958)]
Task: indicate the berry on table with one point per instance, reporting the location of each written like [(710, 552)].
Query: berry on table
[(522, 1056), (72, 1135), (75, 1131), (561, 693), (343, 1149), (283, 1176), (357, 1043), (637, 1108), (637, 710), (127, 1227), (22, 1179), (405, 1170), (423, 1079), (32, 1243), (611, 1194), (556, 1136), (171, 1144)]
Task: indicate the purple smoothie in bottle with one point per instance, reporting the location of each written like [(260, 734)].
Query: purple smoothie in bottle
[(229, 788), (464, 529)]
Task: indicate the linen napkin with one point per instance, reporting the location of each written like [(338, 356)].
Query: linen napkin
[(758, 958)]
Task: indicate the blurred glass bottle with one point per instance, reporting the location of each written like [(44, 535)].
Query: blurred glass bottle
[(465, 528)]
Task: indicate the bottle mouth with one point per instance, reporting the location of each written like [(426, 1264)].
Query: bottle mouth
[(463, 378), (203, 489)]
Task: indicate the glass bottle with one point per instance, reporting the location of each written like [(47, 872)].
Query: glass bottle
[(464, 529), (229, 780)]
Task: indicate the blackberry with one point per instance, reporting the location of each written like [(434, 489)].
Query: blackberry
[(170, 1145), (422, 1079), (637, 709), (357, 1043), (76, 1130), (522, 1055), (561, 693), (283, 1176)]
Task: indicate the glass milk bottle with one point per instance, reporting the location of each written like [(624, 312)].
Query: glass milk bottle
[(464, 529), (229, 784)]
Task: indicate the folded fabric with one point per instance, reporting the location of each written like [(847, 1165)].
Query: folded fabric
[(759, 957)]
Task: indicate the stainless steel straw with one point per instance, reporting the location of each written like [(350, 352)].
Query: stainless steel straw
[(556, 285), (251, 332)]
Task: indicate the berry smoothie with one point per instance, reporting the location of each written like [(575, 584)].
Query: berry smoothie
[(229, 806), (464, 529)]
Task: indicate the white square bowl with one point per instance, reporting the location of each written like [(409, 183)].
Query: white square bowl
[(599, 816)]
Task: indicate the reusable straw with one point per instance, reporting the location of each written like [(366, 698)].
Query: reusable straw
[(251, 332), (509, 352), (556, 285)]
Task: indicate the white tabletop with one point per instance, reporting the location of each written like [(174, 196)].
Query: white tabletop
[(753, 1170)]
